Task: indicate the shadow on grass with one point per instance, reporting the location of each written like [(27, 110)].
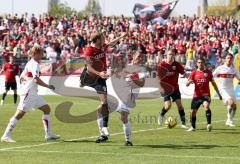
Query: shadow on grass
[(222, 129), (191, 146), (179, 147), (80, 141), (229, 132), (86, 141)]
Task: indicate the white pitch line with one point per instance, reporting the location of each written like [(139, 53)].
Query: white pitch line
[(77, 139), (130, 154), (115, 134), (84, 138)]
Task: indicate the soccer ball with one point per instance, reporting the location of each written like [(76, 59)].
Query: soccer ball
[(171, 122)]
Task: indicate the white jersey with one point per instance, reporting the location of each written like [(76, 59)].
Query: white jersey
[(140, 75), (31, 71), (226, 75), (137, 72), (131, 90)]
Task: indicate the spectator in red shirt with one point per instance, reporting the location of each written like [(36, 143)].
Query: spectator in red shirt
[(201, 78), (10, 69)]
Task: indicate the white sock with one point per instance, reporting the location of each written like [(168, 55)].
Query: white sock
[(12, 123), (127, 131), (46, 124), (100, 123)]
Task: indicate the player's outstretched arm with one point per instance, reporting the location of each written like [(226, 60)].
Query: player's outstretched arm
[(41, 83), (216, 89), (114, 41)]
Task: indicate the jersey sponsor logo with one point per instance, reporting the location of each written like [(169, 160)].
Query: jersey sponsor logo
[(170, 73), (226, 75), (202, 80), (99, 56)]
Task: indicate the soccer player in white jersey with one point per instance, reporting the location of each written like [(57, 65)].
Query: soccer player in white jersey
[(134, 76), (29, 98), (226, 73)]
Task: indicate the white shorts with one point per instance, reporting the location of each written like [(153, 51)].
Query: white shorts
[(30, 102), (228, 94), (127, 105)]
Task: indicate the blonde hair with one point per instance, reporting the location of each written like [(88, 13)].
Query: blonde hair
[(36, 49)]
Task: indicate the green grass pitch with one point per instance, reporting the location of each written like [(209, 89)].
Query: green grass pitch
[(152, 143)]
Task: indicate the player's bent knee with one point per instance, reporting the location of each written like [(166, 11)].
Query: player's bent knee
[(231, 102), (124, 117), (206, 105), (103, 109), (46, 109), (167, 106), (19, 114)]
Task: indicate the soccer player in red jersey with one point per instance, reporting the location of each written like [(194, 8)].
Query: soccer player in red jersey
[(10, 70), (97, 68), (201, 78), (168, 72)]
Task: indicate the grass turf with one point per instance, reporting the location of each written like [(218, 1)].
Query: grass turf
[(152, 143)]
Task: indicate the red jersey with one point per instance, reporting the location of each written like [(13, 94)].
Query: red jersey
[(11, 70), (97, 58), (201, 80), (168, 73)]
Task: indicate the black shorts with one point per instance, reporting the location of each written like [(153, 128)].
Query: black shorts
[(175, 96), (100, 86), (198, 101), (12, 85)]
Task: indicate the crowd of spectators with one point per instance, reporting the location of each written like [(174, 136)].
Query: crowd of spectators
[(64, 39)]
